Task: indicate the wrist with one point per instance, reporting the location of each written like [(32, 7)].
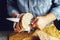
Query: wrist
[(50, 17)]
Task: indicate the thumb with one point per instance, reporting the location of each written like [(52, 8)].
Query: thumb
[(19, 16), (33, 23)]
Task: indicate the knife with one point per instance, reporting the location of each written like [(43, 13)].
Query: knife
[(13, 20), (16, 20)]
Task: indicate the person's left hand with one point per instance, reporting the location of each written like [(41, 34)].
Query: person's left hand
[(40, 22), (17, 28)]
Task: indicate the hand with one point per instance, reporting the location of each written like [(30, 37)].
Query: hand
[(40, 22), (17, 27)]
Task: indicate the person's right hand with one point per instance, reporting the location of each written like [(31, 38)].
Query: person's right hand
[(17, 27)]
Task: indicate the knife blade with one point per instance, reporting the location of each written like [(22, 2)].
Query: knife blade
[(13, 19)]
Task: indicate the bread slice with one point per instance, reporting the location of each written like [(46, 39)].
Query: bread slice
[(25, 21)]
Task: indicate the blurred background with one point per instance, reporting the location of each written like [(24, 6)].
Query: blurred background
[(5, 25)]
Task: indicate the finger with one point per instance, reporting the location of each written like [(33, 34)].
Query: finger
[(34, 22), (15, 30), (20, 15), (21, 30), (17, 26)]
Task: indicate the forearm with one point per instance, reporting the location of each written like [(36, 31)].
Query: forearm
[(50, 17)]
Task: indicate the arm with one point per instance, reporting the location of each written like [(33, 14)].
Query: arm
[(42, 21), (55, 12), (50, 17)]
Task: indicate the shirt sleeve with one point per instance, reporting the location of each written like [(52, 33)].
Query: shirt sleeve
[(10, 7), (56, 10)]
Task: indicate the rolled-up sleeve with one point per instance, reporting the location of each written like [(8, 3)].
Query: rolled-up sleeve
[(56, 9), (10, 7)]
